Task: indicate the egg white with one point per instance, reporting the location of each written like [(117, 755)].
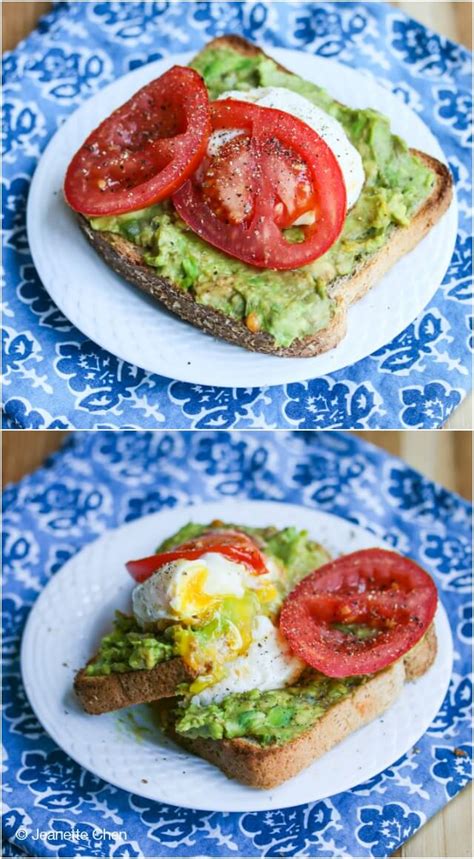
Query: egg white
[(326, 126), (268, 664)]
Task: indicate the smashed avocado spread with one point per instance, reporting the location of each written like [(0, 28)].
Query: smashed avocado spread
[(128, 647), (289, 305), (269, 718)]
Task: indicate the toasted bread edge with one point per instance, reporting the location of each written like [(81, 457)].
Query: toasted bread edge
[(103, 693)]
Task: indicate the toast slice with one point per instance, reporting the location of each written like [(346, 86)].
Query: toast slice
[(266, 767), (102, 693), (126, 259)]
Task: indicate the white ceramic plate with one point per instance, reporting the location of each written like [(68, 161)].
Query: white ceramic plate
[(127, 323), (75, 610)]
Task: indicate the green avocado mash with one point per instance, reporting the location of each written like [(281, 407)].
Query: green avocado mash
[(356, 630), (129, 647), (289, 305), (267, 717)]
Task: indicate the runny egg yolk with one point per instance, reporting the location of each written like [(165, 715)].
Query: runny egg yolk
[(198, 588), (267, 593), (226, 635), (192, 602)]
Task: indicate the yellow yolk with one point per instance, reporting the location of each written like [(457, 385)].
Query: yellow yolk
[(192, 601), (267, 593), (227, 634)]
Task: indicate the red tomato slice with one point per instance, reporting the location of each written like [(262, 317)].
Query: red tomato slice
[(258, 183), (144, 150), (232, 201), (233, 544), (391, 596)]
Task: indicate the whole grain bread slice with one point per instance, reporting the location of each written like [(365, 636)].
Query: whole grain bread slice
[(103, 693), (126, 259), (266, 767)]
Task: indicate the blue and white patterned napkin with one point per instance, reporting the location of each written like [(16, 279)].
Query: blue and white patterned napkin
[(99, 481), (55, 377)]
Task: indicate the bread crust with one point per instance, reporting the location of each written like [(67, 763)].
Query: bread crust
[(267, 767), (102, 693), (420, 658), (126, 259)]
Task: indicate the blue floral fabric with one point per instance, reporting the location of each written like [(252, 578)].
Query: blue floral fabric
[(100, 480), (55, 377)]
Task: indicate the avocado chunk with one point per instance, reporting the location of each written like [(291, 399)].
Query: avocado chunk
[(129, 648)]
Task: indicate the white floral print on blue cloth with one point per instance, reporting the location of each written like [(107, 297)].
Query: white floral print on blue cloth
[(100, 480), (55, 377)]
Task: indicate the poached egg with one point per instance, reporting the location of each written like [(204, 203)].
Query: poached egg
[(326, 126), (188, 591), (242, 649)]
